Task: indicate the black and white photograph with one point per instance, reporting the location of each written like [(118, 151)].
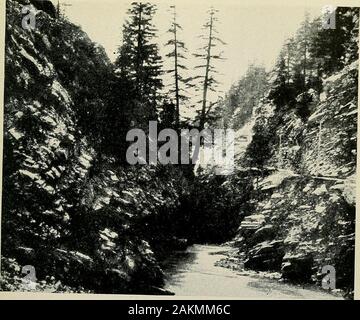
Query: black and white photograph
[(202, 149)]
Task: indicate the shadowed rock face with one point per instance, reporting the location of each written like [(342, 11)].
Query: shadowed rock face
[(297, 268), (303, 228), (82, 212), (266, 255), (308, 205)]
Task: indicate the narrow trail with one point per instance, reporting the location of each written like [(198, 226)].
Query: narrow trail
[(193, 273)]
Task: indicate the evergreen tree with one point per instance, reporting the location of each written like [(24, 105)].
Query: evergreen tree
[(335, 47), (168, 115), (282, 89), (302, 52), (177, 54), (208, 80), (288, 53), (139, 62)]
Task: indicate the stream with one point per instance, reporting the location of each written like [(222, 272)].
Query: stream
[(193, 273)]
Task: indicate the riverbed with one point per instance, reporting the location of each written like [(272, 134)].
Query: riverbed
[(193, 273)]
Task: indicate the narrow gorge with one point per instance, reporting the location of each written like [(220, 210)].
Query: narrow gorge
[(91, 223)]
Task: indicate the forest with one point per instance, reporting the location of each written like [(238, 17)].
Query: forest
[(88, 221)]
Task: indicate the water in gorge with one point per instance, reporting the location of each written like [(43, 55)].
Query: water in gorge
[(193, 273)]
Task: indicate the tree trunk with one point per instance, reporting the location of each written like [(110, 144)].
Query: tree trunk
[(208, 57), (138, 53), (177, 120)]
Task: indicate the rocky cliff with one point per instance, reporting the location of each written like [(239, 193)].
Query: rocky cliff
[(304, 200), (68, 209)]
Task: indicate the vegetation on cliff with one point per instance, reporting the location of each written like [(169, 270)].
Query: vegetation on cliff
[(88, 222), (302, 158)]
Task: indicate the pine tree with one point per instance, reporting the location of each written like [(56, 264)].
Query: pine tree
[(208, 80), (302, 40), (139, 61), (168, 115), (289, 55), (306, 67), (281, 91), (333, 48), (177, 54)]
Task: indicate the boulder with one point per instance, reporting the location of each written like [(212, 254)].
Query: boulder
[(297, 268), (264, 233), (265, 256)]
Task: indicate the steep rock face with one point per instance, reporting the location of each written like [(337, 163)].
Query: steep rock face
[(326, 143), (306, 224), (304, 217), (78, 218)]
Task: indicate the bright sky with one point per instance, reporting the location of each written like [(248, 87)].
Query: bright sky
[(253, 33)]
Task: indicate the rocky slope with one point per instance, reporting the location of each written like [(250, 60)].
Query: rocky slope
[(304, 201), (68, 210)]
